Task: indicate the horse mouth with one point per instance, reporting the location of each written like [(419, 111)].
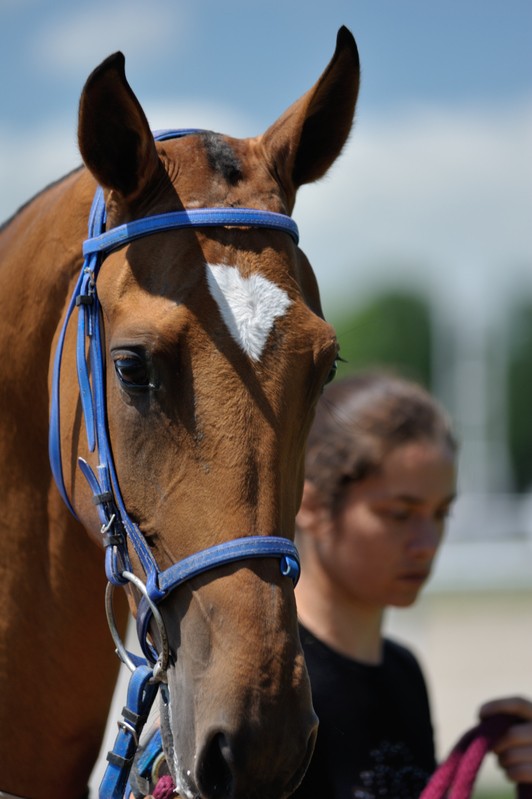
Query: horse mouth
[(215, 777), (300, 773), (182, 780)]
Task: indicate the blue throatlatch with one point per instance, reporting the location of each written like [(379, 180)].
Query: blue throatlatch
[(117, 527)]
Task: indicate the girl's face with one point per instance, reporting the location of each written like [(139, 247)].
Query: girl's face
[(379, 547)]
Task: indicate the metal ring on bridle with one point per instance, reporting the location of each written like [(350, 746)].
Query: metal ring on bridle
[(162, 662)]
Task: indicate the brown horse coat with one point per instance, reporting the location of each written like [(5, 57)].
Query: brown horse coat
[(211, 451)]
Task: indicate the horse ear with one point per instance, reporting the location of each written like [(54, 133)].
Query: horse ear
[(114, 137), (309, 136)]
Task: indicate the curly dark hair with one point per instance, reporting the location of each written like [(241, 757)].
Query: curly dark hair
[(359, 420)]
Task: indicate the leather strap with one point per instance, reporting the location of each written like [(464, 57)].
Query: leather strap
[(206, 559), (140, 696), (194, 217)]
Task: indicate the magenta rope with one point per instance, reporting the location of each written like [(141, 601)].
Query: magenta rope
[(455, 777), (164, 789)]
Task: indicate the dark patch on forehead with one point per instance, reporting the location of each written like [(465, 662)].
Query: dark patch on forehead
[(222, 157)]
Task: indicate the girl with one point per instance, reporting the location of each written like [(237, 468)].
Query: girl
[(380, 480)]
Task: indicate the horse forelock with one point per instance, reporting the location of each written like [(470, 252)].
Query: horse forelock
[(222, 157)]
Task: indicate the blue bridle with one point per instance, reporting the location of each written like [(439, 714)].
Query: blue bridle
[(117, 528)]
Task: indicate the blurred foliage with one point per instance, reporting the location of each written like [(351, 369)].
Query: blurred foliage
[(519, 395), (392, 331)]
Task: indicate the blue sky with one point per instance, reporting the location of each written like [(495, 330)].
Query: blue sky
[(258, 57), (436, 180), (435, 186)]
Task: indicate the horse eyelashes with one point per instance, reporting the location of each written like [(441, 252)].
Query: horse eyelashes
[(133, 372)]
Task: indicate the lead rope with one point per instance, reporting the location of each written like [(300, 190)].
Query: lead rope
[(455, 777), (164, 789)]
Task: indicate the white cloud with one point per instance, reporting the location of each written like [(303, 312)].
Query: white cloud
[(29, 161), (443, 197), (431, 189), (220, 118), (82, 38)]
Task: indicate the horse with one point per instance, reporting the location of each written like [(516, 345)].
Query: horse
[(163, 350)]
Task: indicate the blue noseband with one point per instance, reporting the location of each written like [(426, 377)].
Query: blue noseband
[(117, 528)]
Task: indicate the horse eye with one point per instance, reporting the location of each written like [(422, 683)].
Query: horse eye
[(132, 371), (332, 373)]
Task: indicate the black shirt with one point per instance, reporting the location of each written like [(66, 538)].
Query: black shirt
[(375, 739)]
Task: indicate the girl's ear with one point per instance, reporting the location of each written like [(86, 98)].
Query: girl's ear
[(314, 517)]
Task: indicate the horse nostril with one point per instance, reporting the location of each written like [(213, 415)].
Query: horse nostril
[(215, 768)]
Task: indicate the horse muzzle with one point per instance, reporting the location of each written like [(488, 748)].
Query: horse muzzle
[(238, 756), (237, 712)]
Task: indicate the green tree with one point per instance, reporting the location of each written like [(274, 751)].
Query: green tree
[(519, 394), (392, 330)]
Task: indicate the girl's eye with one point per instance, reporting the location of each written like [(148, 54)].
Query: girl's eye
[(132, 371), (400, 515), (396, 514)]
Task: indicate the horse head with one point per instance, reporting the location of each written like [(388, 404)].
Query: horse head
[(216, 351)]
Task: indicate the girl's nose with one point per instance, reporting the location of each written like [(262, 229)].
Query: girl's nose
[(425, 538)]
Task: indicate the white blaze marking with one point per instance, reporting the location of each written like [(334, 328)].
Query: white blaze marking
[(249, 305)]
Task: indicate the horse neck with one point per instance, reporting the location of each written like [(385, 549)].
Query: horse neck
[(52, 625), (40, 254)]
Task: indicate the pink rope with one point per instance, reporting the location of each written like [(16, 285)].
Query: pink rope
[(456, 776), (164, 789)]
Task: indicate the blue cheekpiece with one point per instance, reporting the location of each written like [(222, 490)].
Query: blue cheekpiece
[(117, 527)]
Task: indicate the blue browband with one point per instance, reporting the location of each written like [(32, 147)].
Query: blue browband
[(116, 526), (198, 217)]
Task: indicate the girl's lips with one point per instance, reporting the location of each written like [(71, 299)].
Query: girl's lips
[(415, 577)]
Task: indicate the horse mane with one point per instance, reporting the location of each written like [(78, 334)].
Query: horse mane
[(4, 225)]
